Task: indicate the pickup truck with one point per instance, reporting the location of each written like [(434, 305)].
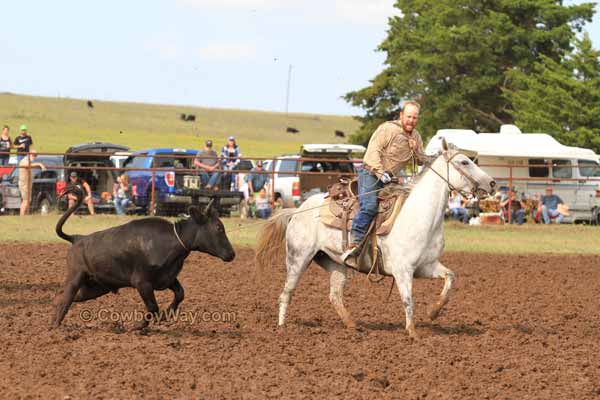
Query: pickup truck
[(293, 188), (176, 184)]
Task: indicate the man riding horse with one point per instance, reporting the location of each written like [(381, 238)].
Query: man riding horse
[(393, 145)]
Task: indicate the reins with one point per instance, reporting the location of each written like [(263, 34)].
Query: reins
[(459, 170)]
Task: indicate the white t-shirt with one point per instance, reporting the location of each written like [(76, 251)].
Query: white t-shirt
[(455, 201), (262, 203)]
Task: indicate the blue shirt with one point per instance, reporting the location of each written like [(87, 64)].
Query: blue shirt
[(552, 201), (258, 180)]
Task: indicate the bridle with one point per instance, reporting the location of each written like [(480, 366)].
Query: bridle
[(460, 170)]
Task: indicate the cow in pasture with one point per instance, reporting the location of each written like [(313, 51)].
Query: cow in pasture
[(90, 104), (146, 254), (340, 134), (183, 117), (190, 117), (291, 130)]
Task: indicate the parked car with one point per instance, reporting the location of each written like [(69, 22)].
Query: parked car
[(6, 170), (293, 188), (175, 186), (48, 185)]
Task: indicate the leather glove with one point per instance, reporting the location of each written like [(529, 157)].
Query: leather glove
[(386, 177)]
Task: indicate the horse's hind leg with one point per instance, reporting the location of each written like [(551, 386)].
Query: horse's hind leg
[(437, 270), (337, 281), (297, 261)]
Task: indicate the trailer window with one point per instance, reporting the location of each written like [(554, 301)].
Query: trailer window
[(536, 171), (562, 169), (588, 168)]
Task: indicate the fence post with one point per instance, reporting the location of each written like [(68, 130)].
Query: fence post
[(152, 194), (510, 185), (273, 180)]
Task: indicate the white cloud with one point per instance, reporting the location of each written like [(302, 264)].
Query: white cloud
[(228, 51)]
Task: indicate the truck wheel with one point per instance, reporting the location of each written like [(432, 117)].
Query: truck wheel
[(45, 207), (596, 216)]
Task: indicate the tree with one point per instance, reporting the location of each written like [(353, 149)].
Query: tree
[(453, 57), (562, 99)]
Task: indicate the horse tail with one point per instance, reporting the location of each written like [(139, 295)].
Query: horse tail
[(59, 225), (271, 239)]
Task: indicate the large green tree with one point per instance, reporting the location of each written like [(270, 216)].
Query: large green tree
[(561, 98), (453, 57)]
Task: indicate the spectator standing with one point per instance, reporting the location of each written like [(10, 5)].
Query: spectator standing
[(122, 194), (457, 209), (257, 179), (22, 143), (74, 180), (517, 209), (263, 207), (5, 146), (26, 179), (548, 207), (208, 163), (230, 155)]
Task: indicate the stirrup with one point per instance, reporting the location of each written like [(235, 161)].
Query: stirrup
[(349, 256)]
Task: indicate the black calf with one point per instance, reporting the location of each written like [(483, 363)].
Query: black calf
[(146, 254)]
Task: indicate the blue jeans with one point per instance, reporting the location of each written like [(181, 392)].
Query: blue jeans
[(20, 157), (4, 161), (121, 204), (209, 178), (460, 214), (548, 213), (517, 215), (367, 185), (264, 213)]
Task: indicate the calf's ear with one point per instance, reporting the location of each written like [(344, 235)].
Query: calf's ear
[(197, 214)]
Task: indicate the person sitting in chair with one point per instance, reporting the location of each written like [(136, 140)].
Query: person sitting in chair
[(393, 146), (548, 207)]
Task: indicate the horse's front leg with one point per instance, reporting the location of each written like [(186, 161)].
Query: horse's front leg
[(404, 280), (438, 270)]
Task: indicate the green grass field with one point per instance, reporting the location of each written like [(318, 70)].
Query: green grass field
[(529, 238), (57, 123)]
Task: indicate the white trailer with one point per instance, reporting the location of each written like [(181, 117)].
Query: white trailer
[(538, 161)]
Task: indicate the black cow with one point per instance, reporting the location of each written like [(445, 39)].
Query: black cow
[(291, 130), (190, 117), (183, 117), (146, 254), (339, 133), (90, 104)]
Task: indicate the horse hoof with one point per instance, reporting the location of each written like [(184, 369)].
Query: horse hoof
[(434, 313), (412, 334), (351, 325)]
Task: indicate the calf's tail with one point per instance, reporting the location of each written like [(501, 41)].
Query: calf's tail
[(59, 225)]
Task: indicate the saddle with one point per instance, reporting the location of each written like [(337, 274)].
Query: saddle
[(343, 207)]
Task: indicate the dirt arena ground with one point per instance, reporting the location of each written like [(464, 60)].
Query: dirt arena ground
[(517, 327)]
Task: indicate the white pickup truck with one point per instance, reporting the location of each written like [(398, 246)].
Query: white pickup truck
[(330, 159)]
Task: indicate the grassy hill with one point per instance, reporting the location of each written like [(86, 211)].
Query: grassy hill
[(57, 123)]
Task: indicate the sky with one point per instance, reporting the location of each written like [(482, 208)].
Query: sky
[(209, 53)]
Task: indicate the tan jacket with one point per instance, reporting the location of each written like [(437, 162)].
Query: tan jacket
[(388, 149)]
